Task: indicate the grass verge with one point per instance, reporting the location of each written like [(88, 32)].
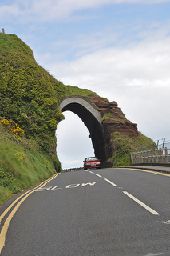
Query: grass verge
[(22, 165)]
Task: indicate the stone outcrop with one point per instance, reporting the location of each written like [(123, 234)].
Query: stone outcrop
[(113, 120)]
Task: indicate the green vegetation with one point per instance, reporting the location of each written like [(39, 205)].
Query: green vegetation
[(76, 91), (106, 117), (22, 164), (109, 117), (29, 94), (125, 144)]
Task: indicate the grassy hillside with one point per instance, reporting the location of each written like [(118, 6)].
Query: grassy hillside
[(125, 144), (22, 164), (30, 96), (76, 91)]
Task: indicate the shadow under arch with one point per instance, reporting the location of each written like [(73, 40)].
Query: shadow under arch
[(92, 120)]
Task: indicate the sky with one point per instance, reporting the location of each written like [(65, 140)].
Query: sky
[(117, 48)]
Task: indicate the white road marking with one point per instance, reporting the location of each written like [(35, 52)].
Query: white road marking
[(154, 254), (88, 183), (141, 203), (167, 222), (73, 186), (99, 175), (55, 188), (91, 172), (131, 196), (110, 182), (43, 188)]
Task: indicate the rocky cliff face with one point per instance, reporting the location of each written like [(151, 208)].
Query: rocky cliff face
[(113, 120)]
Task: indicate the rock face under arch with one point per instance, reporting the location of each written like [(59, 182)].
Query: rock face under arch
[(102, 119)]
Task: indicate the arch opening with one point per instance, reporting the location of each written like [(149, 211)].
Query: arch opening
[(73, 142)]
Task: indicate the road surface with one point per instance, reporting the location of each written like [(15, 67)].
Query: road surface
[(107, 212)]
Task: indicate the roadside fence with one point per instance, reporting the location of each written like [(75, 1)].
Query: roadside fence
[(161, 155)]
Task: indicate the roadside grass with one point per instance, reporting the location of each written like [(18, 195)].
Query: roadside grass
[(22, 165)]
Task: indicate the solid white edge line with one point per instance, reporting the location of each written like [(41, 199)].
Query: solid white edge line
[(141, 203)]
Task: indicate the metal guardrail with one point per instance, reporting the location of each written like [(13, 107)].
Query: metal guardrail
[(157, 156)]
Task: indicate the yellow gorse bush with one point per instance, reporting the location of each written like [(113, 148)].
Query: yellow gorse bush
[(5, 122), (12, 127)]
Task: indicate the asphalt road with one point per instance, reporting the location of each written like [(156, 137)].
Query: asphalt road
[(118, 212)]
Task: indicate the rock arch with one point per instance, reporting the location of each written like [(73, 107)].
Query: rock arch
[(92, 119), (102, 119)]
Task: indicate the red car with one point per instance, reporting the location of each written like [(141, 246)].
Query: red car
[(92, 162)]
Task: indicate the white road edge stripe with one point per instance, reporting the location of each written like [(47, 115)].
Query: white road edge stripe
[(110, 182), (141, 203), (91, 172)]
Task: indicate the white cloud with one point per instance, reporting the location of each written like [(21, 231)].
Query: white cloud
[(137, 77), (145, 65), (57, 9)]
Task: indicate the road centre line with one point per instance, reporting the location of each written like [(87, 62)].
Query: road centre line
[(91, 172), (110, 182), (99, 175), (23, 197), (132, 197), (141, 203)]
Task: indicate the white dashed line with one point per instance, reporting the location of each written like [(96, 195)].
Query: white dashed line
[(99, 175), (91, 172), (110, 182), (149, 209), (141, 203)]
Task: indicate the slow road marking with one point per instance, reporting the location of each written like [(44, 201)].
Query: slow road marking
[(167, 222), (71, 186)]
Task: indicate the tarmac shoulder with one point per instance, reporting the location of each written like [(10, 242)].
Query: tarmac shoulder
[(162, 169)]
